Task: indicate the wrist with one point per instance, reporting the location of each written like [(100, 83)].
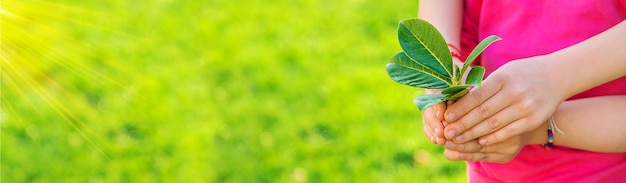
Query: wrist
[(551, 64), (537, 136)]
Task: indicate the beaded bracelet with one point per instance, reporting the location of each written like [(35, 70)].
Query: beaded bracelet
[(551, 125), (550, 143)]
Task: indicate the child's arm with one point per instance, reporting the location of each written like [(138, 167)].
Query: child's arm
[(593, 124), (520, 95), (446, 17)]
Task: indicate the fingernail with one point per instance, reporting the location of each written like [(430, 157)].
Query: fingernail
[(437, 113), (450, 116), (451, 134), (432, 139), (459, 138), (482, 141), (436, 131)]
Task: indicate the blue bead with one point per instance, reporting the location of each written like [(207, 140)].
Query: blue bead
[(550, 138)]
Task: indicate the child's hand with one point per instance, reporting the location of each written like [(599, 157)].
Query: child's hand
[(501, 152), (432, 118), (515, 99)]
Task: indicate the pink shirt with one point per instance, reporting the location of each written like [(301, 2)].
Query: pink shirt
[(530, 28)]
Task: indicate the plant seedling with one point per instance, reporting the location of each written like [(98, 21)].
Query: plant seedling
[(425, 62)]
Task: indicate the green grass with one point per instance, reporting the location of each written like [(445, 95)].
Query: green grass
[(210, 91)]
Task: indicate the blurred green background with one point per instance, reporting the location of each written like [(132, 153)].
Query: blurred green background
[(209, 91)]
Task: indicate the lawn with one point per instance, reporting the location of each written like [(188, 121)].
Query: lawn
[(209, 91)]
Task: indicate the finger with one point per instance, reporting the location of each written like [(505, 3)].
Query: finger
[(440, 141), (426, 118), (439, 109), (453, 155), (489, 125), (450, 102), (475, 97), (431, 120), (434, 139), (468, 147), (479, 156), (477, 115), (516, 128), (460, 156), (438, 128), (429, 135), (487, 157)]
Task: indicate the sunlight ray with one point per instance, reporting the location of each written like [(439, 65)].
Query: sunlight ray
[(30, 48)]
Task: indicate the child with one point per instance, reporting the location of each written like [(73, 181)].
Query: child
[(558, 59)]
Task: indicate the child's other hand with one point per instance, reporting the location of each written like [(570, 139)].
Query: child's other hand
[(501, 152)]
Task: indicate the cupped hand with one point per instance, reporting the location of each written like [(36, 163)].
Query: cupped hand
[(514, 99), (432, 119), (501, 152)]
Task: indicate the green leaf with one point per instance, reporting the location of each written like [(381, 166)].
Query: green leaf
[(478, 50), (423, 43), (457, 75), (458, 95), (475, 76), (426, 63), (406, 71), (454, 89), (423, 102), (455, 92)]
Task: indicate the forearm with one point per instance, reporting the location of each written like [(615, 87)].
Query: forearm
[(446, 16), (589, 63), (593, 124)]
